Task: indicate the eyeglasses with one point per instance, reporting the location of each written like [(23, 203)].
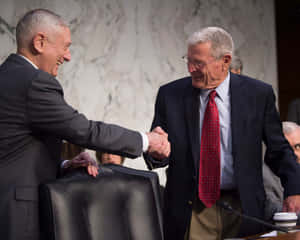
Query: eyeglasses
[(196, 63), (297, 146)]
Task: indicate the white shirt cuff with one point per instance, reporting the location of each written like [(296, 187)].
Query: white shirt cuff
[(63, 163), (145, 141)]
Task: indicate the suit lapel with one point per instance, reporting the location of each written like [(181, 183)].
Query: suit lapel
[(191, 104), (238, 102)]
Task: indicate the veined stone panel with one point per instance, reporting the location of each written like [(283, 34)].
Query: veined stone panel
[(123, 50)]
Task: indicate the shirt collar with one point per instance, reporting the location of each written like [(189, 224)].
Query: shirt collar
[(28, 61), (222, 90)]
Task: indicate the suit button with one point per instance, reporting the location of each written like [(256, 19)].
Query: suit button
[(190, 202)]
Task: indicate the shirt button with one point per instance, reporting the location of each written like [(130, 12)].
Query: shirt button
[(190, 202)]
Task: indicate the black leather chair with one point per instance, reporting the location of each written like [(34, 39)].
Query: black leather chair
[(121, 203)]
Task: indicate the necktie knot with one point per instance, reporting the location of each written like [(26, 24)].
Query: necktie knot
[(212, 94)]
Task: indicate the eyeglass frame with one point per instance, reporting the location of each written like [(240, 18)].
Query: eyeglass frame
[(196, 65)]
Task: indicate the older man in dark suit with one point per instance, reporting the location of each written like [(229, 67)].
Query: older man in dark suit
[(34, 118), (216, 122)]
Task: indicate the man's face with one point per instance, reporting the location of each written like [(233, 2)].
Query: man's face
[(56, 51), (111, 158), (294, 140), (236, 71), (206, 71)]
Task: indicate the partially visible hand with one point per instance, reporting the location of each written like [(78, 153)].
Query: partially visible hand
[(159, 146), (160, 131), (83, 159), (292, 204), (93, 170)]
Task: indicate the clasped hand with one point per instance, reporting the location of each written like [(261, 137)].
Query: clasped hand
[(292, 204), (159, 146)]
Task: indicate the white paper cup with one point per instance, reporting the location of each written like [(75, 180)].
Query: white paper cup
[(285, 219)]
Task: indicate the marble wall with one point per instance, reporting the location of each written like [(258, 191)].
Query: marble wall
[(123, 50)]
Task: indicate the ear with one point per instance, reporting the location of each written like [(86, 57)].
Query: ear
[(226, 61), (39, 42)]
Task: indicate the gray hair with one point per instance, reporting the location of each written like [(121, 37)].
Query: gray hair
[(35, 21), (221, 41), (236, 63), (289, 127)]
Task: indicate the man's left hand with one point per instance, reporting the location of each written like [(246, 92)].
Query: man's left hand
[(292, 204)]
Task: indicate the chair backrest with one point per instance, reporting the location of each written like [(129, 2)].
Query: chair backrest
[(118, 204)]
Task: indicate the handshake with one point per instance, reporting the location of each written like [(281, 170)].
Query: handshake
[(159, 146)]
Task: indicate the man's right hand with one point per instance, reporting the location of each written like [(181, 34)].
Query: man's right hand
[(159, 146)]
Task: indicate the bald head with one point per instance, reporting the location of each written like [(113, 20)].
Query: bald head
[(236, 65), (35, 21), (291, 132), (44, 39)]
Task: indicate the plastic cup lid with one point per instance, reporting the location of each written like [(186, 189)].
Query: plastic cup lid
[(285, 216)]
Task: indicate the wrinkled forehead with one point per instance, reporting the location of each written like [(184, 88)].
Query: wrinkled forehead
[(294, 137), (68, 36), (201, 49)]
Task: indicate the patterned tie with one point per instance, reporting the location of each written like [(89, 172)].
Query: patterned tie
[(209, 169)]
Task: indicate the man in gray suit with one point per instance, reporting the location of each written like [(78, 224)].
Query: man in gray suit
[(34, 118)]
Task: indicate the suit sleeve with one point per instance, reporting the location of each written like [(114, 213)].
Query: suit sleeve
[(279, 155), (158, 120), (49, 113)]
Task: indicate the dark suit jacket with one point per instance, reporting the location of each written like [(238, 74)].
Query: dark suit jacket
[(34, 118), (294, 111), (254, 119)]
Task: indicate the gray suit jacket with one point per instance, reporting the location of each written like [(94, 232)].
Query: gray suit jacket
[(34, 118), (274, 193)]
